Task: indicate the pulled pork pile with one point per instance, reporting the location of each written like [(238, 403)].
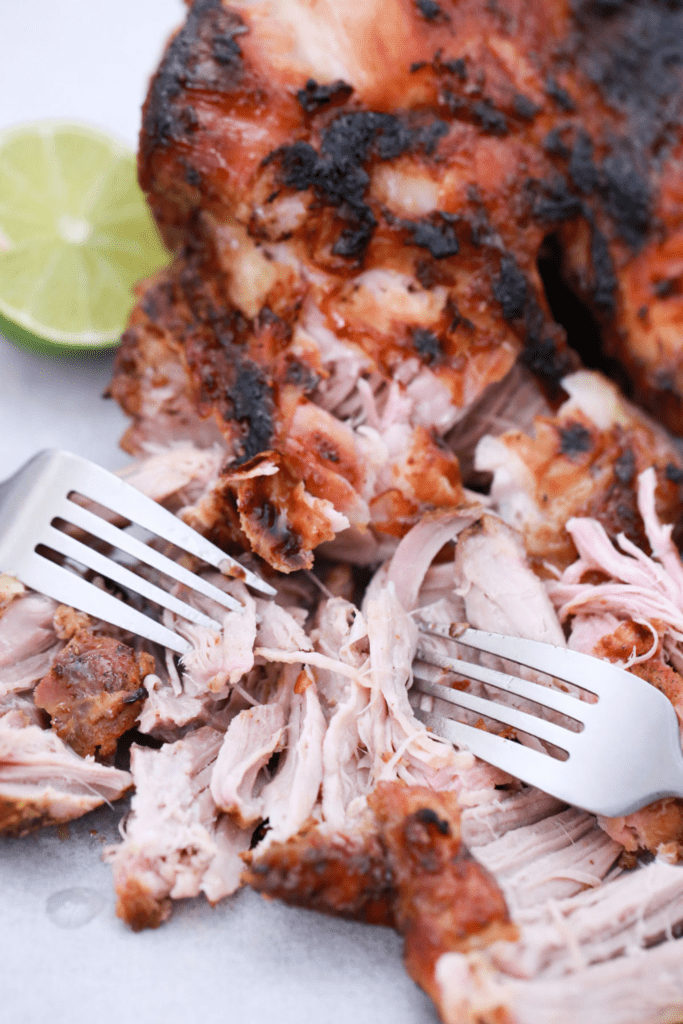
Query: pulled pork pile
[(283, 753), (353, 353)]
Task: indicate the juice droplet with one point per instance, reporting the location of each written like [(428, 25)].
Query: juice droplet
[(72, 908)]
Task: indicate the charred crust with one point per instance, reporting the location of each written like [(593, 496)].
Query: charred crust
[(337, 174), (626, 196), (492, 121), (202, 55), (300, 375), (575, 439), (192, 176), (667, 287), (633, 53), (250, 400), (604, 276), (541, 354), (554, 144), (625, 467), (436, 234), (427, 344), (427, 816), (582, 170), (457, 66), (674, 473), (135, 696), (431, 11), (313, 96), (274, 522), (561, 97), (524, 107), (556, 202), (510, 288)]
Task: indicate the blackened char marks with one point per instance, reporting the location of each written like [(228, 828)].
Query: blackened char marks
[(510, 288), (582, 169), (491, 120), (337, 174), (426, 344), (314, 96), (431, 11), (625, 467), (559, 95), (541, 354), (626, 196), (203, 55), (604, 276), (252, 401), (674, 473), (575, 439), (556, 202), (554, 143), (229, 381), (524, 107), (274, 522), (633, 52), (438, 237)]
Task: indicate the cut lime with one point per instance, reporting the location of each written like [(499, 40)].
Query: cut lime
[(75, 236)]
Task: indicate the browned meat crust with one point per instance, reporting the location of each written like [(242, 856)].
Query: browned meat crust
[(93, 692), (575, 464), (445, 900), (412, 873), (395, 217), (347, 876)]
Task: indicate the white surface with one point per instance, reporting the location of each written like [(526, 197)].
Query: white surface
[(245, 960)]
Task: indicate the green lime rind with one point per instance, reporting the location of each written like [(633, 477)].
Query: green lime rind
[(75, 236), (12, 332)]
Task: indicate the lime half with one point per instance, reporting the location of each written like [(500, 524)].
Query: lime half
[(75, 236)]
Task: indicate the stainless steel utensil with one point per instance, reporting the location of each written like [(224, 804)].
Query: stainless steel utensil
[(622, 751), (37, 505)]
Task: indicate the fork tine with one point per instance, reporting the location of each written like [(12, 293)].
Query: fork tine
[(110, 491), (519, 761), (54, 581), (559, 662), (565, 703), (98, 527), (521, 720), (72, 548)]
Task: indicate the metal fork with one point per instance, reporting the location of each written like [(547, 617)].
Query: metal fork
[(41, 493), (626, 753)]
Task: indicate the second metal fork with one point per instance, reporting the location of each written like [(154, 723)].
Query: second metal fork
[(616, 753)]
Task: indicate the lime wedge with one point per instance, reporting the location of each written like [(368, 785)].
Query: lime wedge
[(75, 236)]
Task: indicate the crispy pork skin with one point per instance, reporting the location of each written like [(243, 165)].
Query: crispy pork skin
[(407, 868), (93, 692), (445, 900), (347, 876)]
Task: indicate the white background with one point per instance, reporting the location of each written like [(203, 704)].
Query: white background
[(246, 960)]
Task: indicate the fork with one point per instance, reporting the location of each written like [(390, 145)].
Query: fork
[(626, 753), (41, 495)]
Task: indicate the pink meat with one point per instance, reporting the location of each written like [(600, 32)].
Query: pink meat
[(176, 843), (28, 642), (42, 781)]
